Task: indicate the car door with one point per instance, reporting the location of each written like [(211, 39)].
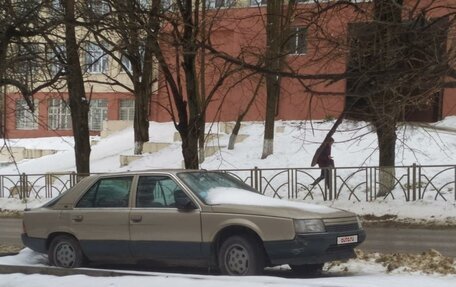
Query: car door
[(159, 230), (100, 219)]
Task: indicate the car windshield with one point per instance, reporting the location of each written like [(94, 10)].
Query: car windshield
[(202, 183)]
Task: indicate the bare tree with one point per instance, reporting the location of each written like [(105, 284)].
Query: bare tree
[(79, 104), (22, 23), (178, 42), (279, 18), (125, 35)]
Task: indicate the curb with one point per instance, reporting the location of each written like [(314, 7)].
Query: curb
[(8, 254), (28, 270)]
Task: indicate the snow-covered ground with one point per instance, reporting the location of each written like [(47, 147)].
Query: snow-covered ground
[(372, 270), (294, 147)]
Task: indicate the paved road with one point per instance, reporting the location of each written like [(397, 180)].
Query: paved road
[(410, 240), (10, 231), (386, 240)]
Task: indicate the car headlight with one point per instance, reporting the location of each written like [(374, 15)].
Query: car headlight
[(360, 222), (309, 225)]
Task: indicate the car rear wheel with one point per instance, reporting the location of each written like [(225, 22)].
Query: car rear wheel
[(307, 269), (65, 252), (241, 255)]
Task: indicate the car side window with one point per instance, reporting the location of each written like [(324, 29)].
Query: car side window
[(156, 191), (107, 192)]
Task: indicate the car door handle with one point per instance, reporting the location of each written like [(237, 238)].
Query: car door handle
[(136, 218), (77, 218)]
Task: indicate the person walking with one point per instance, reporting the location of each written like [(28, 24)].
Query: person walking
[(325, 162)]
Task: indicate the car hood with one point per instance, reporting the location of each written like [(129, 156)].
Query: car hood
[(239, 201), (305, 211)]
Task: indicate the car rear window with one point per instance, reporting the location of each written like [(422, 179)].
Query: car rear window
[(107, 192)]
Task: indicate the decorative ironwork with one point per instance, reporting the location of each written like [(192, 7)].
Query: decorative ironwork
[(408, 183)]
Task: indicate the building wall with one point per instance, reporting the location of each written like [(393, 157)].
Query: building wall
[(235, 31)]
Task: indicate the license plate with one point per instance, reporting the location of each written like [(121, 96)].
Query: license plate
[(347, 239)]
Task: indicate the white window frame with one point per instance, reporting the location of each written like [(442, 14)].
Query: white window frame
[(127, 63), (98, 113), (211, 4), (55, 64), (25, 119), (59, 115), (127, 109), (258, 2), (96, 60)]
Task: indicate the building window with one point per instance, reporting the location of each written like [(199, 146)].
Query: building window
[(25, 119), (258, 2), (56, 6), (145, 4), (96, 60), (297, 41), (220, 3), (168, 4), (56, 58), (29, 56), (59, 115), (127, 110), (97, 114), (126, 63), (99, 7)]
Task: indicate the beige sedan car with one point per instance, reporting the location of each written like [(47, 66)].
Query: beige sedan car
[(187, 218)]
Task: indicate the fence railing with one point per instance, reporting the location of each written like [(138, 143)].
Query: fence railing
[(409, 183)]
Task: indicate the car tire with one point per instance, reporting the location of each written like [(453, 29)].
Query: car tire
[(65, 252), (307, 269), (241, 255)]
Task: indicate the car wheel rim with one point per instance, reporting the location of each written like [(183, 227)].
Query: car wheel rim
[(237, 260), (64, 255)]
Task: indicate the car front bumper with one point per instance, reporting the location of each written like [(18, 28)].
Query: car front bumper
[(312, 248)]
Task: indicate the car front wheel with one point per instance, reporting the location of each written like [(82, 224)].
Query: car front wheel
[(65, 252), (241, 255)]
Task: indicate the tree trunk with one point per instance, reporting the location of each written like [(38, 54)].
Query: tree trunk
[(388, 15), (235, 132), (386, 134), (141, 120), (195, 120), (190, 147), (273, 92), (202, 93), (79, 105), (274, 59), (241, 116)]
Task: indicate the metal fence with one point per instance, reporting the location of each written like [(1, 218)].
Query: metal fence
[(410, 183)]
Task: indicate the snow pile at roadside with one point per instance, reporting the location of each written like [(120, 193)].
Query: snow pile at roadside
[(25, 257), (429, 262)]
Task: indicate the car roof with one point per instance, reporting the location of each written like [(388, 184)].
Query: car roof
[(149, 171)]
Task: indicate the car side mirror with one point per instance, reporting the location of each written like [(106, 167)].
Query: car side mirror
[(183, 201)]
